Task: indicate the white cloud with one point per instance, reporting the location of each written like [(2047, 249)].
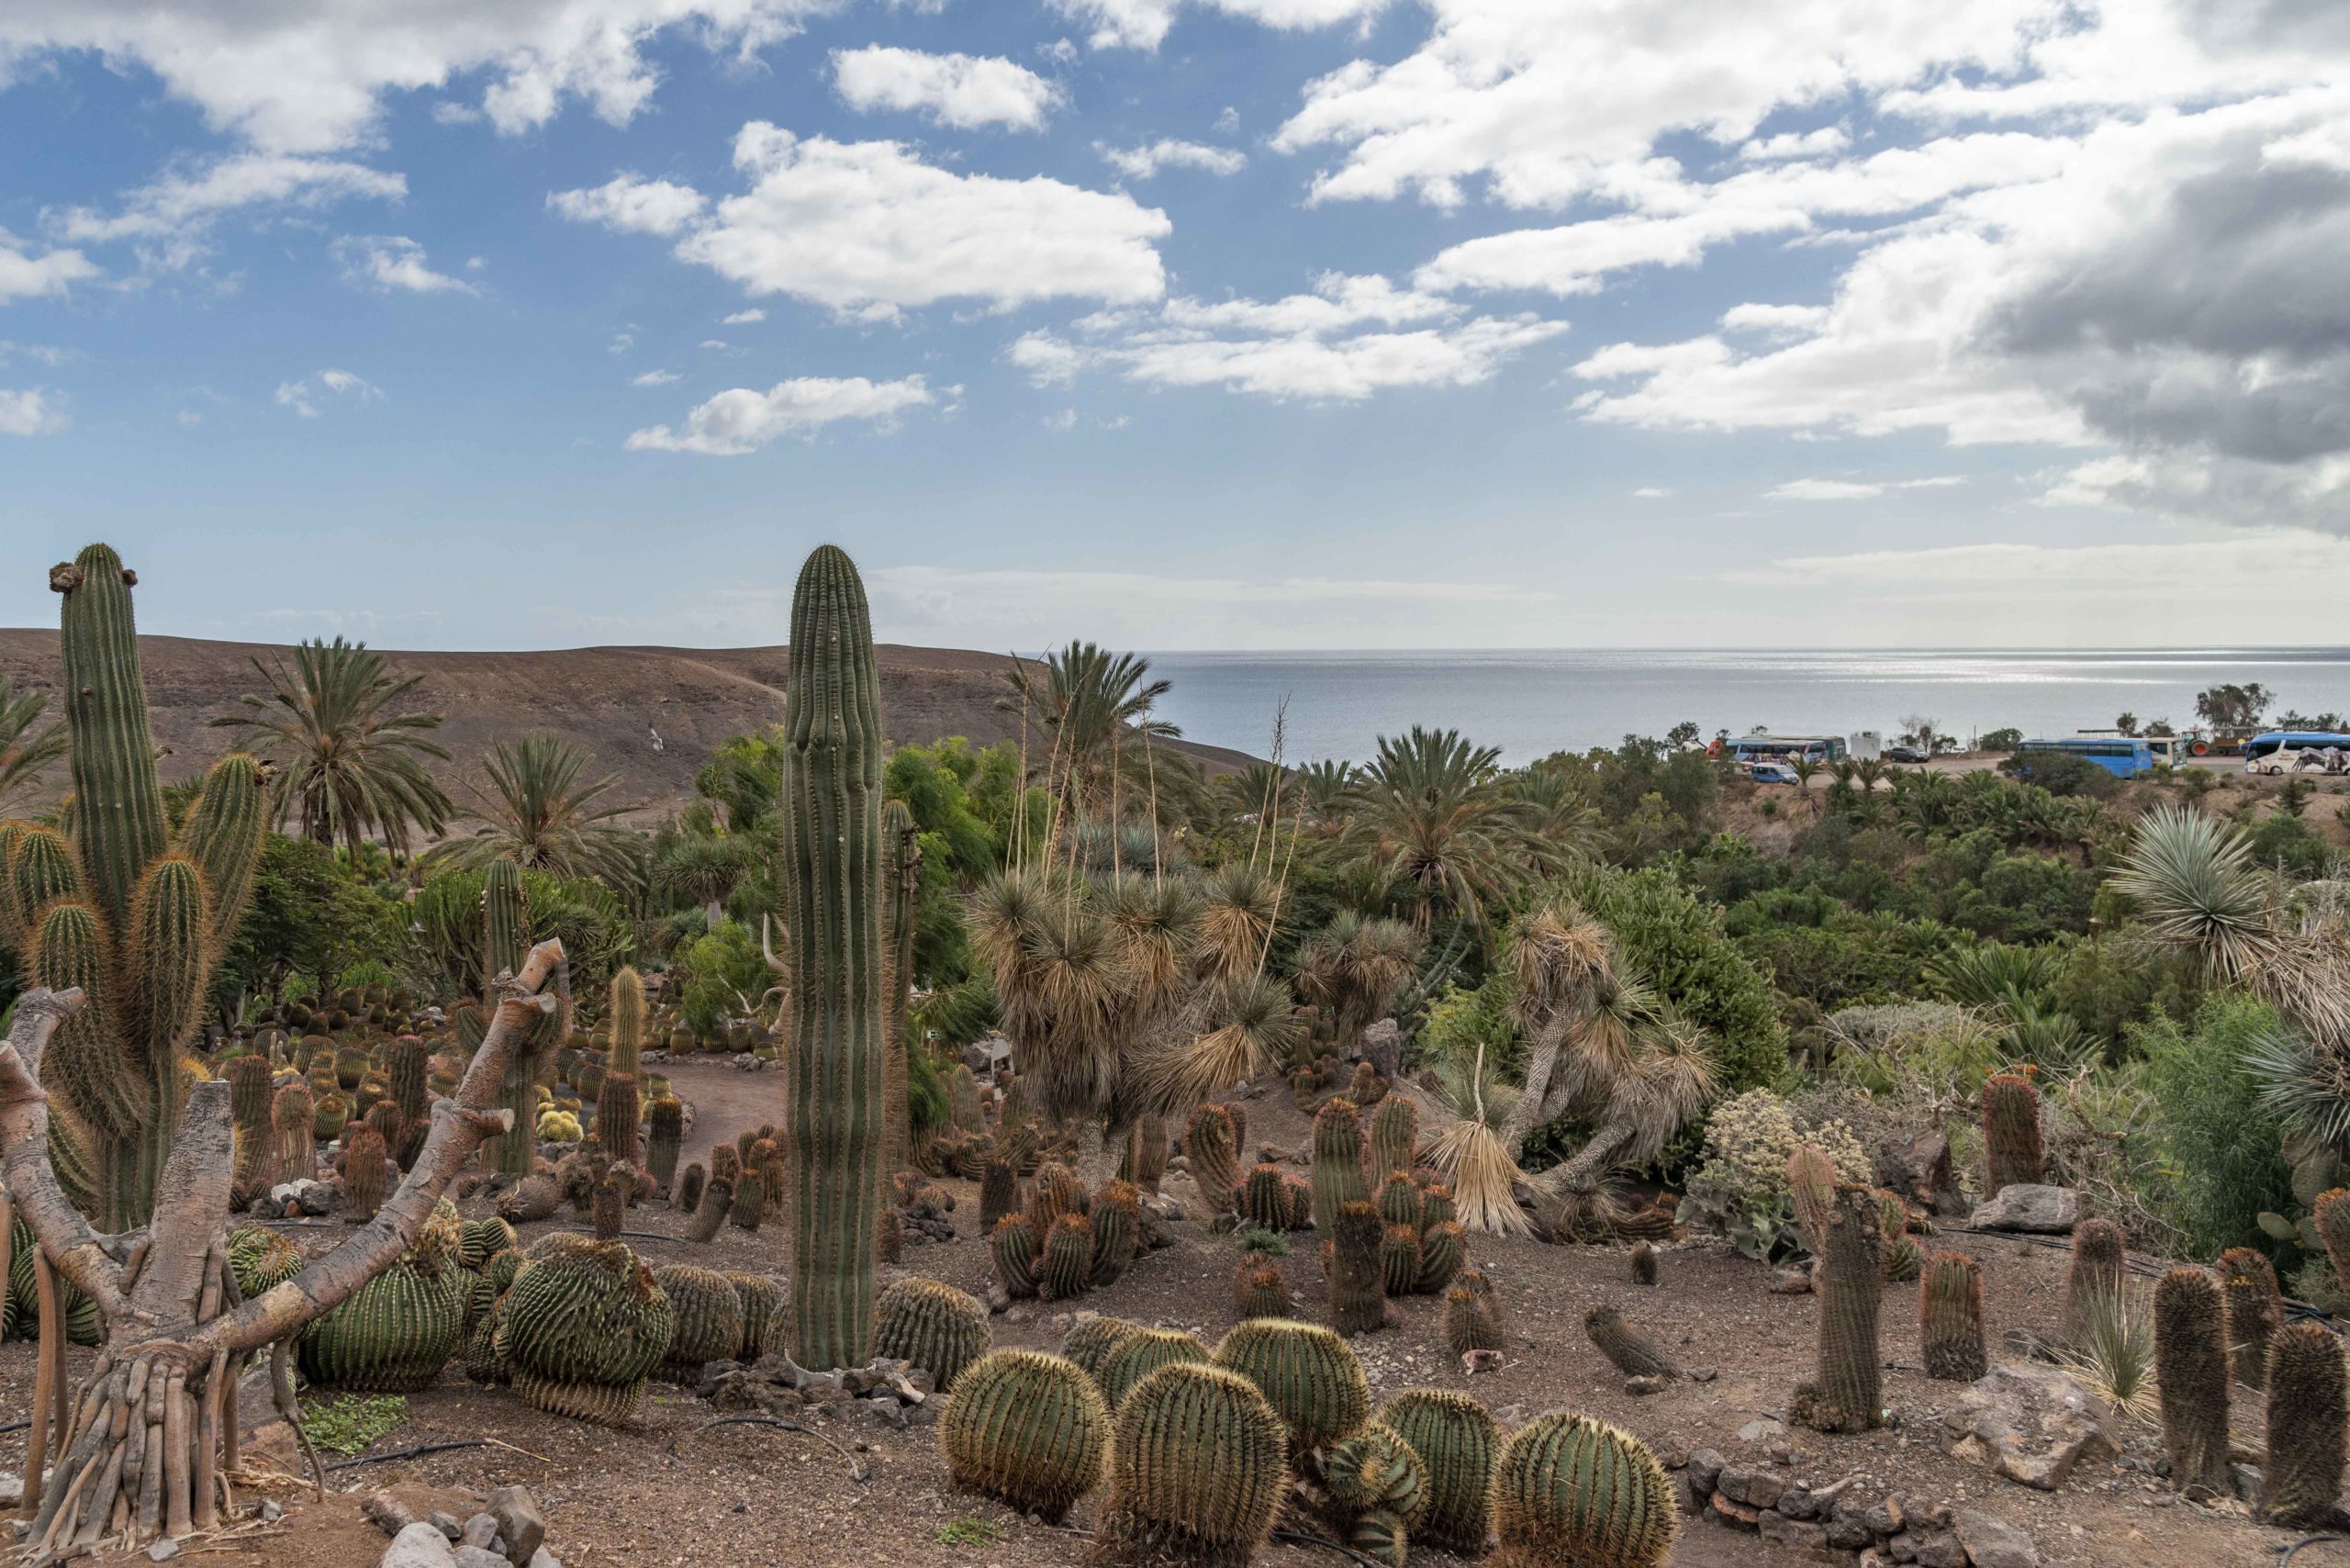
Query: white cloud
[(1775, 321), (33, 412), (168, 217), (655, 378), (302, 396), (965, 90), (1853, 489), (393, 263), (1144, 162), (22, 276), (633, 204), (1651, 493), (866, 228), (743, 317), (1348, 340), (742, 420), (41, 353), (1826, 139), (311, 76), (1143, 24), (718, 343)]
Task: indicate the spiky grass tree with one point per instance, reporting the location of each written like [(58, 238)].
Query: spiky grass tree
[(834, 919), (122, 906), (26, 750), (1356, 967)]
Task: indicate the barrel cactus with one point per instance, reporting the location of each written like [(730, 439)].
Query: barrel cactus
[(2011, 1130), (479, 1240), (1457, 1443), (1570, 1491), (1375, 1492), (762, 1300), (393, 1337), (2255, 1309), (1199, 1465), (932, 1325), (1094, 1339), (2100, 1253), (582, 1328), (706, 1313), (1066, 1266), (1212, 1147), (1141, 1353), (665, 1127), (258, 1255), (1846, 1393), (1117, 1232), (1353, 1261), (1395, 1134), (1312, 1378), (2300, 1488), (1950, 1318), (2191, 1372), (1260, 1289), (1337, 1173), (1027, 1429), (1014, 1248)]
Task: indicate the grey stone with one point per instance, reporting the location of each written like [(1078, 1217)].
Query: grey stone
[(542, 1558), (1706, 1469), (418, 1546), (1901, 1549), (1737, 1515), (1381, 1044), (478, 1557), (1755, 1488), (1761, 1429), (386, 1512), (1920, 1170), (2245, 1479), (1887, 1517), (479, 1530), (272, 1510), (1939, 1549), (12, 1488), (446, 1524), (1686, 1500), (1798, 1502), (1993, 1543), (519, 1520), (1847, 1533), (1794, 1535), (1791, 1282), (2033, 1207), (1641, 1387), (2031, 1424), (163, 1550)]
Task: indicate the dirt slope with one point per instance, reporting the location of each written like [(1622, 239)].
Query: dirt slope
[(609, 701)]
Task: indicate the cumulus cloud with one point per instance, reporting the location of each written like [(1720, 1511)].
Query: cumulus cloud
[(22, 276), (168, 219), (32, 411), (965, 90), (393, 264), (742, 420), (655, 378), (1144, 162), (743, 317), (631, 204), (1348, 340), (1853, 489), (303, 397), (1144, 24), (867, 228), (311, 76)]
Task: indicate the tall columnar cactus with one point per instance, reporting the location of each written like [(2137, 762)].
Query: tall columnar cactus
[(932, 1325), (1643, 1261), (134, 914), (1811, 1186), (2301, 1487), (837, 1060), (582, 1328), (1457, 1443), (1846, 1393), (1141, 1353), (665, 1129), (294, 1117), (2191, 1368), (250, 1093), (408, 1066), (1443, 1249), (1027, 1429), (363, 1156), (1117, 1232), (1213, 1149), (901, 858), (1356, 1270), (1199, 1462), (627, 1021), (2100, 1253), (616, 1115), (706, 1317), (2011, 1130), (505, 940), (999, 1193), (1144, 1162), (1312, 1378), (685, 1196), (1339, 1177), (2256, 1308), (1395, 1134), (1570, 1491), (1949, 1317)]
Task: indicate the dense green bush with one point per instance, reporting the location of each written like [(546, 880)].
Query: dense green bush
[(2220, 1143)]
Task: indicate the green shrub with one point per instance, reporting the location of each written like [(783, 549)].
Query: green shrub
[(2222, 1143), (1741, 1190)]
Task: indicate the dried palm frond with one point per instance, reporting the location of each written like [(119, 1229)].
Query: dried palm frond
[(1248, 1025), (1485, 1178)]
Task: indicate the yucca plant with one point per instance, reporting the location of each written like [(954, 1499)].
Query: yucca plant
[(2112, 1351)]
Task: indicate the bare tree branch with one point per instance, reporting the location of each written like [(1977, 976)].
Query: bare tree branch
[(78, 1252)]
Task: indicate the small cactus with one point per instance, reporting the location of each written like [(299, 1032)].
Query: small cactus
[(1629, 1350), (1198, 1469), (1066, 1266), (2191, 1370), (1014, 1248), (362, 1165), (1950, 1318), (1395, 1134), (717, 1202), (1094, 1339), (1117, 1232), (1260, 1289), (1473, 1317), (1351, 1260), (1054, 1192), (2301, 1487), (1264, 1200), (2011, 1130), (1212, 1144), (1643, 1264), (1375, 1491), (1337, 1170), (1141, 1353), (685, 1196), (2256, 1308), (1570, 1491), (1457, 1443), (664, 1124), (1027, 1429), (531, 1199), (609, 1210), (1811, 1183), (2100, 1256), (1399, 1259), (999, 1194), (1400, 1199), (749, 1203), (1443, 1249), (1313, 1380), (932, 1325)]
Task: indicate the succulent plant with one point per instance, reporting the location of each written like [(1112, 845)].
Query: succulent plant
[(1260, 1289), (393, 1337), (609, 1210), (705, 1314), (1812, 1185), (627, 1015), (1212, 1144), (1065, 1268), (665, 1129), (2191, 1372), (1199, 1465), (763, 1305), (293, 1118), (1443, 1249), (1395, 1134), (685, 1195), (1353, 1261), (1399, 1259), (999, 1193), (1016, 1250), (1629, 1350), (725, 1163), (1643, 1261), (581, 1329), (1308, 1373), (1473, 1317), (1950, 1318), (1027, 1429), (1570, 1491), (1138, 1354), (1054, 1192), (1144, 1162), (479, 1240), (1337, 1171), (1457, 1443), (1264, 1201), (1094, 1339), (362, 1171), (531, 1199), (1375, 1473), (2301, 1487), (749, 1204), (1845, 1394), (932, 1325), (258, 1255), (2011, 1130), (2100, 1256), (2255, 1309)]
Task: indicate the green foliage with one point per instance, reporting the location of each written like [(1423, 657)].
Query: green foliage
[(586, 916), (722, 974), (1742, 1191), (351, 1423), (2220, 1139), (1999, 740), (308, 914), (968, 1532)]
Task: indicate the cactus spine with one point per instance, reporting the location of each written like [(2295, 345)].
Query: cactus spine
[(1199, 1463), (2099, 1255), (1027, 1429), (1644, 1263), (2300, 1488), (2331, 1214), (1395, 1134), (1472, 1315), (1570, 1491), (837, 1060), (1846, 1396), (1950, 1318), (1014, 1248), (505, 940), (1141, 1353), (707, 1316), (2255, 1307), (1812, 1185), (2011, 1130), (2191, 1366), (362, 1175), (1457, 1443), (1264, 1199), (1260, 1289), (615, 1116)]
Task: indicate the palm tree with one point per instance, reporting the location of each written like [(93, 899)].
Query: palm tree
[(1326, 793), (346, 763), (1433, 819), (540, 812), (1806, 769), (1096, 706), (1560, 825), (25, 752)]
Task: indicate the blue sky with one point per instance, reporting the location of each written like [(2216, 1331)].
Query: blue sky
[(1184, 323)]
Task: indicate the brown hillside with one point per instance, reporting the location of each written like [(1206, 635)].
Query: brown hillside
[(609, 702)]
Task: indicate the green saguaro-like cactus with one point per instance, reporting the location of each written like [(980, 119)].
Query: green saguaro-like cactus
[(119, 905), (1847, 1394), (628, 1021), (506, 938), (832, 864)]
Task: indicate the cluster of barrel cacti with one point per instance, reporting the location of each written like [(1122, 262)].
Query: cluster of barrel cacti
[(1064, 1241), (400, 1329), (581, 1327)]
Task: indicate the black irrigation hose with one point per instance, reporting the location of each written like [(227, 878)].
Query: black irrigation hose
[(2285, 1553), (420, 1451), (2300, 1310)]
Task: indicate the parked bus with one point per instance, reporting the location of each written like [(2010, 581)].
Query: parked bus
[(2167, 749), (2124, 756), (1787, 748), (2290, 751)]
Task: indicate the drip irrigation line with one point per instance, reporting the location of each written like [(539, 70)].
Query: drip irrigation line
[(2299, 1310), (2285, 1553), (416, 1452)]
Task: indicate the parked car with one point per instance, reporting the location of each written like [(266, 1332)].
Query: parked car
[(1904, 753), (1772, 773)]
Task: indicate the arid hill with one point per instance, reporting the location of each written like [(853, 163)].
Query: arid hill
[(611, 703)]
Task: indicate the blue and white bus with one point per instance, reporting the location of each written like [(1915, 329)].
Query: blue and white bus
[(2124, 756), (1787, 748), (2290, 751)]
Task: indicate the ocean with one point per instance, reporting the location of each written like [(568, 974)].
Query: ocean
[(1533, 704)]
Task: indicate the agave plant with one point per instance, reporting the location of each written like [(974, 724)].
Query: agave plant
[(2114, 1351)]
